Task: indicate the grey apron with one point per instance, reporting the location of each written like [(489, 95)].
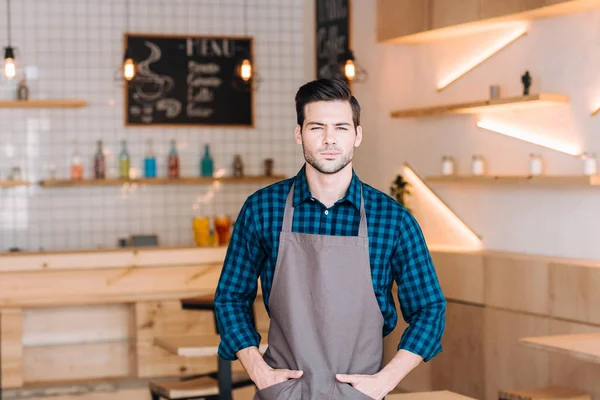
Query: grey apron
[(325, 319)]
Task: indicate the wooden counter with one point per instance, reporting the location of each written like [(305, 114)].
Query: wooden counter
[(82, 315)]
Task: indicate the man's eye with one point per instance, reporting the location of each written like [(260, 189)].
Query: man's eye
[(316, 128), (342, 128)]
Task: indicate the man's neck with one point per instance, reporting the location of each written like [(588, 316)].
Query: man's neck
[(328, 188)]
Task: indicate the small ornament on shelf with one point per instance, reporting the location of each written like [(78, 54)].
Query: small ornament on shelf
[(590, 164), (536, 166), (526, 80), (477, 165), (447, 166), (494, 92)]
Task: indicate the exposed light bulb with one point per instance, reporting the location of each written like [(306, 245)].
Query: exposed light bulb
[(9, 63), (9, 68), (129, 69), (246, 70), (350, 70)]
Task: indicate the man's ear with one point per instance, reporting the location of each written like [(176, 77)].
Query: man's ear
[(298, 134), (358, 138)]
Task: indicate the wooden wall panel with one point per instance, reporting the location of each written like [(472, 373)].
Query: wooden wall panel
[(499, 8), (460, 366), (447, 13), (515, 283), (401, 17), (11, 349), (574, 293), (460, 275), (77, 361), (508, 364)]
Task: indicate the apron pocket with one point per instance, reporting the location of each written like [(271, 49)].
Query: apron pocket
[(280, 391), (347, 392)]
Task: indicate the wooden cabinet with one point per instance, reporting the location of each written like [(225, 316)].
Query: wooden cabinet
[(500, 8), (412, 21), (447, 13), (553, 2), (396, 18)]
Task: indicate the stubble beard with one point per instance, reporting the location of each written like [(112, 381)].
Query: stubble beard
[(328, 167)]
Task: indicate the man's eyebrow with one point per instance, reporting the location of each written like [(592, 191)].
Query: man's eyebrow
[(322, 124)]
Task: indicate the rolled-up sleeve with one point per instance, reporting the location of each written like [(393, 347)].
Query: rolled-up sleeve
[(422, 302), (237, 287)]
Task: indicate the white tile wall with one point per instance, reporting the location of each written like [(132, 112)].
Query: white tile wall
[(73, 49)]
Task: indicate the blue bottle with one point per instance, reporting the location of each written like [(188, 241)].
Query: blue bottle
[(150, 161), (206, 164)]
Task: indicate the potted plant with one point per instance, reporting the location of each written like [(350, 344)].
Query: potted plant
[(399, 190)]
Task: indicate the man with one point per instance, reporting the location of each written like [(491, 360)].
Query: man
[(327, 249)]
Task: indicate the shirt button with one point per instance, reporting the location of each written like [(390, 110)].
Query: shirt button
[(326, 212)]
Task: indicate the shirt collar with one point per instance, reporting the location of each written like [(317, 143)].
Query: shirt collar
[(302, 191)]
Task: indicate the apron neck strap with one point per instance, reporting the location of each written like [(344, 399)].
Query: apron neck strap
[(288, 214)]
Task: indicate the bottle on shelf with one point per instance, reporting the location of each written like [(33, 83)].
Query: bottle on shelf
[(99, 162), (124, 161), (206, 164), (149, 161), (238, 166), (22, 90), (173, 161), (76, 164)]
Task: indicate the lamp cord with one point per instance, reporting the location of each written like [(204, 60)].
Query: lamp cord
[(8, 20)]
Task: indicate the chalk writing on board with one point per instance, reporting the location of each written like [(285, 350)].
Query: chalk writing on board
[(188, 80), (332, 37)]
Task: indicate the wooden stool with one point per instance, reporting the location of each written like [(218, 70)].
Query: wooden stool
[(205, 387), (207, 303), (547, 393)]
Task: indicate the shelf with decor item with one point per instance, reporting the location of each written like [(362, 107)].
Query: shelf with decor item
[(473, 107), (585, 346), (13, 183), (161, 181), (43, 103), (542, 180)]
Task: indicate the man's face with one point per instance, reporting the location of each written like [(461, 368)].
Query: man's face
[(328, 137)]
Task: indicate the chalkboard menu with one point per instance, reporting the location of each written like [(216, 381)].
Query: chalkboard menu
[(188, 80), (333, 37)]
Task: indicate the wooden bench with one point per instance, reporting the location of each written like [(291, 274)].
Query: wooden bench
[(205, 387)]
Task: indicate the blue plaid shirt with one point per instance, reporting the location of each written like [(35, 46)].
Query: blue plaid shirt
[(397, 251)]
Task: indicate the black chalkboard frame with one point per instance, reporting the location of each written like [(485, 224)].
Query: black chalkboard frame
[(350, 36), (252, 125)]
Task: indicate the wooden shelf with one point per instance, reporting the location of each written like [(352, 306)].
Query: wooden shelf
[(160, 181), (585, 346), (42, 103), (557, 180), (6, 184), (490, 104)]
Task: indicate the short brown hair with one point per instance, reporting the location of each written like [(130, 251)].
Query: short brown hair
[(325, 90)]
